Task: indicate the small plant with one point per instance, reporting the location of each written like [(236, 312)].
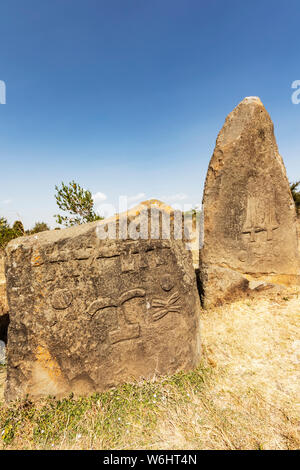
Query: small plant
[(296, 194)]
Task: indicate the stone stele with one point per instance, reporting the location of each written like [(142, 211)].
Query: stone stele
[(3, 302), (250, 228), (88, 313), (3, 299)]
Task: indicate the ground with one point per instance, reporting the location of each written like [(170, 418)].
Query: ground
[(243, 395)]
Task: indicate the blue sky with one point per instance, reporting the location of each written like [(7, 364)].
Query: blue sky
[(127, 96)]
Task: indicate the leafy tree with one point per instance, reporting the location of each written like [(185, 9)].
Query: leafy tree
[(8, 233), (39, 227), (18, 228), (78, 202), (296, 194), (4, 233)]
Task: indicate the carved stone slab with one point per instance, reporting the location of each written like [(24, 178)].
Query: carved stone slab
[(249, 214), (87, 314), (3, 299)]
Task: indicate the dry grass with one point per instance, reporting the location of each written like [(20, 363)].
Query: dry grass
[(243, 396)]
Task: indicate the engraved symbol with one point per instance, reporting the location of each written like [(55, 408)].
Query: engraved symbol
[(99, 304), (166, 282), (127, 262), (242, 256), (130, 294), (143, 260), (261, 214), (271, 222), (61, 299), (126, 329), (165, 306), (158, 259)]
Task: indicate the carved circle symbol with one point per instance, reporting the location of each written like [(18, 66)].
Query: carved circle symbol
[(242, 256), (166, 282), (61, 299)]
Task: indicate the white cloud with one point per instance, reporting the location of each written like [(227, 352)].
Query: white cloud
[(99, 197), (6, 201)]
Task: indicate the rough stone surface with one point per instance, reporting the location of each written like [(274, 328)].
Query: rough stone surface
[(87, 314), (3, 299), (4, 317), (249, 214), (298, 229)]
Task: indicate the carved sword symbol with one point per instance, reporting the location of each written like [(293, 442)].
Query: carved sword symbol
[(254, 225)]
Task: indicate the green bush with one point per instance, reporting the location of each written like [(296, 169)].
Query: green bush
[(8, 233), (39, 227)]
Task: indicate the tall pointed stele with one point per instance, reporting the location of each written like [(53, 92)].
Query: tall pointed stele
[(249, 215)]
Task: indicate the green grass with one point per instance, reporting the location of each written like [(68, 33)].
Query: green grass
[(104, 418)]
